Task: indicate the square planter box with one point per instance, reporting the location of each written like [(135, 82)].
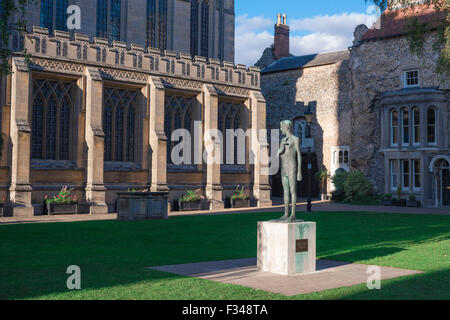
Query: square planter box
[(135, 206), (190, 206), (386, 202), (412, 203), (53, 208), (399, 203), (240, 203)]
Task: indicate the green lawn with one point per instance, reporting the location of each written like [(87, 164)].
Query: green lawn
[(113, 255)]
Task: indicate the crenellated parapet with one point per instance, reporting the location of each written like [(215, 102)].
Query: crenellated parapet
[(73, 52)]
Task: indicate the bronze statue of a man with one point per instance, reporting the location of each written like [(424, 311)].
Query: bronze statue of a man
[(291, 168)]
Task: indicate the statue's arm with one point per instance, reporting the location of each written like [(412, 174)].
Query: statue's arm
[(299, 161), (282, 147)]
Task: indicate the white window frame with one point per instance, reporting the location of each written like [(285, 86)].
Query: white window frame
[(413, 174), (403, 174), (402, 127), (394, 137), (413, 126), (405, 78), (436, 121), (394, 163)]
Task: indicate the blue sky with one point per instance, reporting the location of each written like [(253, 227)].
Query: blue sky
[(316, 26)]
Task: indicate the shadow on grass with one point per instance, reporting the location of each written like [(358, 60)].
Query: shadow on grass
[(114, 255), (364, 254), (428, 286)]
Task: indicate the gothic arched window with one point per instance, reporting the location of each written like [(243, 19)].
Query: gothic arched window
[(194, 27), (131, 134), (231, 118), (178, 115), (204, 43), (151, 23), (119, 124), (61, 14), (162, 24), (115, 16), (102, 18), (51, 120), (46, 17)]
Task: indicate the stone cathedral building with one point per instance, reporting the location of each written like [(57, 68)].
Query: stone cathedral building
[(199, 27), (378, 107), (97, 116)]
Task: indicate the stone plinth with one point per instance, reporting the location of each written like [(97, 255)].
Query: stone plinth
[(287, 248)]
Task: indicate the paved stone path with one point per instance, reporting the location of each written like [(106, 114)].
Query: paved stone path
[(324, 206), (243, 272)]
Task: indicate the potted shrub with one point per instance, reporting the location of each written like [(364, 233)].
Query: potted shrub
[(412, 202), (399, 202), (190, 201), (322, 177), (62, 203), (387, 200), (240, 199)]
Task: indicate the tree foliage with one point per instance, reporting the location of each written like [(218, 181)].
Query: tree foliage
[(12, 19), (417, 29)]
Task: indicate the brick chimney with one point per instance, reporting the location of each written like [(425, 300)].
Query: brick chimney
[(281, 45)]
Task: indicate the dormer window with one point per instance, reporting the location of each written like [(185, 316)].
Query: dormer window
[(411, 78)]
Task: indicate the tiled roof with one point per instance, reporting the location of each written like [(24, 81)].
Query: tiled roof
[(394, 21), (307, 61)]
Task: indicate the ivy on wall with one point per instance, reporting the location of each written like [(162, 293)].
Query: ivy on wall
[(416, 29), (12, 19)]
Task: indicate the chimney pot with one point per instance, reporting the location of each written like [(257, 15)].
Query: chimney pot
[(281, 41)]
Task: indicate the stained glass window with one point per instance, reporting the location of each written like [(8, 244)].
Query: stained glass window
[(47, 14), (151, 23), (178, 115), (102, 18), (119, 124), (107, 128), (131, 134), (194, 27), (230, 117), (162, 24), (37, 130), (204, 45), (61, 14), (51, 120), (115, 19)]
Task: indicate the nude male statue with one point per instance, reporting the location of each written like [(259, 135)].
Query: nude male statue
[(291, 168)]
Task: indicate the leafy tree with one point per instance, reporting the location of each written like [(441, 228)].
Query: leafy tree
[(12, 19), (416, 29)]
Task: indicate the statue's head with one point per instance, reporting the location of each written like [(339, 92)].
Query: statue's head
[(286, 126)]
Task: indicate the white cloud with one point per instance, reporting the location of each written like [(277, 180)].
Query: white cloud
[(250, 46), (318, 42), (323, 33), (343, 24), (244, 23)]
